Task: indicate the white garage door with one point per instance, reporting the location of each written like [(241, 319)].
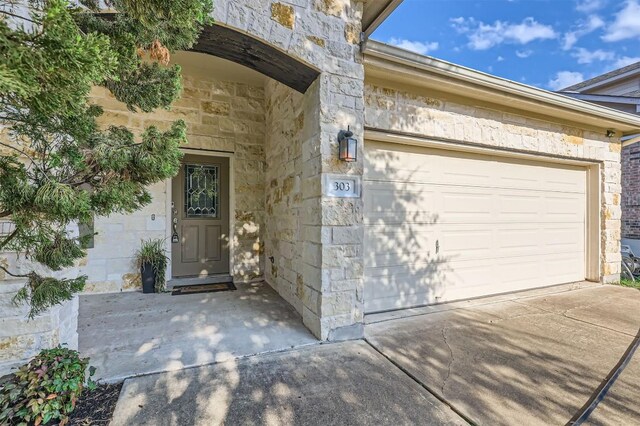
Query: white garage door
[(443, 225)]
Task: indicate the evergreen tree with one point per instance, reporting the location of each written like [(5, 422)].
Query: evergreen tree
[(57, 166)]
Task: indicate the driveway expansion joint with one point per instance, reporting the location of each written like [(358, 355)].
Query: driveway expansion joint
[(563, 314), (435, 394)]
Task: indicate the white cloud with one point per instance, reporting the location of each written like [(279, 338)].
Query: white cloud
[(483, 36), (626, 24), (524, 53), (625, 60), (587, 6), (499, 59), (415, 46), (585, 56), (569, 39), (583, 27), (565, 79)]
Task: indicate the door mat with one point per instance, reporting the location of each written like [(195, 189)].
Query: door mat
[(202, 288)]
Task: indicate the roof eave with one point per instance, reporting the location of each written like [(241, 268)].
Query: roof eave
[(402, 65), (592, 85), (375, 12)]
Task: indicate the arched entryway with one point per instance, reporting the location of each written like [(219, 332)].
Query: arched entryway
[(238, 47)]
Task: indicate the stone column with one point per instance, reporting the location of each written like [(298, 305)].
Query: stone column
[(333, 227)]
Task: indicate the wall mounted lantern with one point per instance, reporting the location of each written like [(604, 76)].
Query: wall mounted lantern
[(347, 146)]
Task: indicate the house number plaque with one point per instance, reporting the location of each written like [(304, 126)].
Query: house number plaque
[(342, 186)]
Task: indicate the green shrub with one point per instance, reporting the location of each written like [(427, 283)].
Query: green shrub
[(45, 389)]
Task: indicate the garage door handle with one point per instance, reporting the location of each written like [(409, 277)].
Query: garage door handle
[(437, 246)]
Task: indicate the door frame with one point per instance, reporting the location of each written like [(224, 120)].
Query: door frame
[(593, 169), (232, 205)]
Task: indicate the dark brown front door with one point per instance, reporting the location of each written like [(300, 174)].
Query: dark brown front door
[(200, 222)]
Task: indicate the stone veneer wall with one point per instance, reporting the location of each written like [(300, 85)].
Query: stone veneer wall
[(631, 191), (21, 339), (283, 198), (325, 34), (434, 114), (221, 116)]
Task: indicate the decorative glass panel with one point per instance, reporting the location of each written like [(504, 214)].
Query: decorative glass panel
[(201, 191)]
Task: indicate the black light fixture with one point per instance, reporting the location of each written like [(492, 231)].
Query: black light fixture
[(347, 146), (611, 133)]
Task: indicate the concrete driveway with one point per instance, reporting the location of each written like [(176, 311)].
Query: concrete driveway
[(331, 384), (521, 359)]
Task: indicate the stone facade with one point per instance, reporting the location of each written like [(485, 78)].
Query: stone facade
[(325, 34), (631, 191), (21, 338), (283, 198), (435, 115), (221, 116)]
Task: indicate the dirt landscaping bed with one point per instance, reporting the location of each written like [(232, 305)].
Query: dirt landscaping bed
[(96, 407)]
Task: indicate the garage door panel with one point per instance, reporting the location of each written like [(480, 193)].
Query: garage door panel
[(394, 168), (470, 226), (565, 208), (457, 239), (562, 265), (388, 203), (460, 204), (394, 248), (403, 291), (392, 257), (566, 239), (419, 268), (522, 205)]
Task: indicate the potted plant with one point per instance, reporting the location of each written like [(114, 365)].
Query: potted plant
[(152, 260)]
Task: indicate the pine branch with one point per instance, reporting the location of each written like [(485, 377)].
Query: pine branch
[(8, 239), (12, 274), (13, 15), (33, 161)]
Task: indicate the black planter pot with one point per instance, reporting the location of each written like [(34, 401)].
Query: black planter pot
[(148, 278)]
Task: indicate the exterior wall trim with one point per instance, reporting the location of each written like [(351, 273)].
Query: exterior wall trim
[(608, 81), (593, 225), (232, 204), (371, 21), (630, 100), (394, 64), (631, 141)]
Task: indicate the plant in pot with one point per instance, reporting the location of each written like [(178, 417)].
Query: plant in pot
[(152, 261)]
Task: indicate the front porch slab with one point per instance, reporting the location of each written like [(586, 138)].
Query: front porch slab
[(131, 334)]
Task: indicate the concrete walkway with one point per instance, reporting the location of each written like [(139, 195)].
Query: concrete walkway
[(332, 384), (533, 360), (530, 358), (129, 334)]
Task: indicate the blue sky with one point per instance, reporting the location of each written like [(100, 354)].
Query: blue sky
[(546, 43)]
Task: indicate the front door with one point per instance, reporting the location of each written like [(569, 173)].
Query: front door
[(200, 217)]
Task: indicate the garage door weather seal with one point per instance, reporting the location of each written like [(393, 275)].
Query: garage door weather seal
[(600, 393)]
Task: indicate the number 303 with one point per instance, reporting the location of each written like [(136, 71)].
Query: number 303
[(342, 186)]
